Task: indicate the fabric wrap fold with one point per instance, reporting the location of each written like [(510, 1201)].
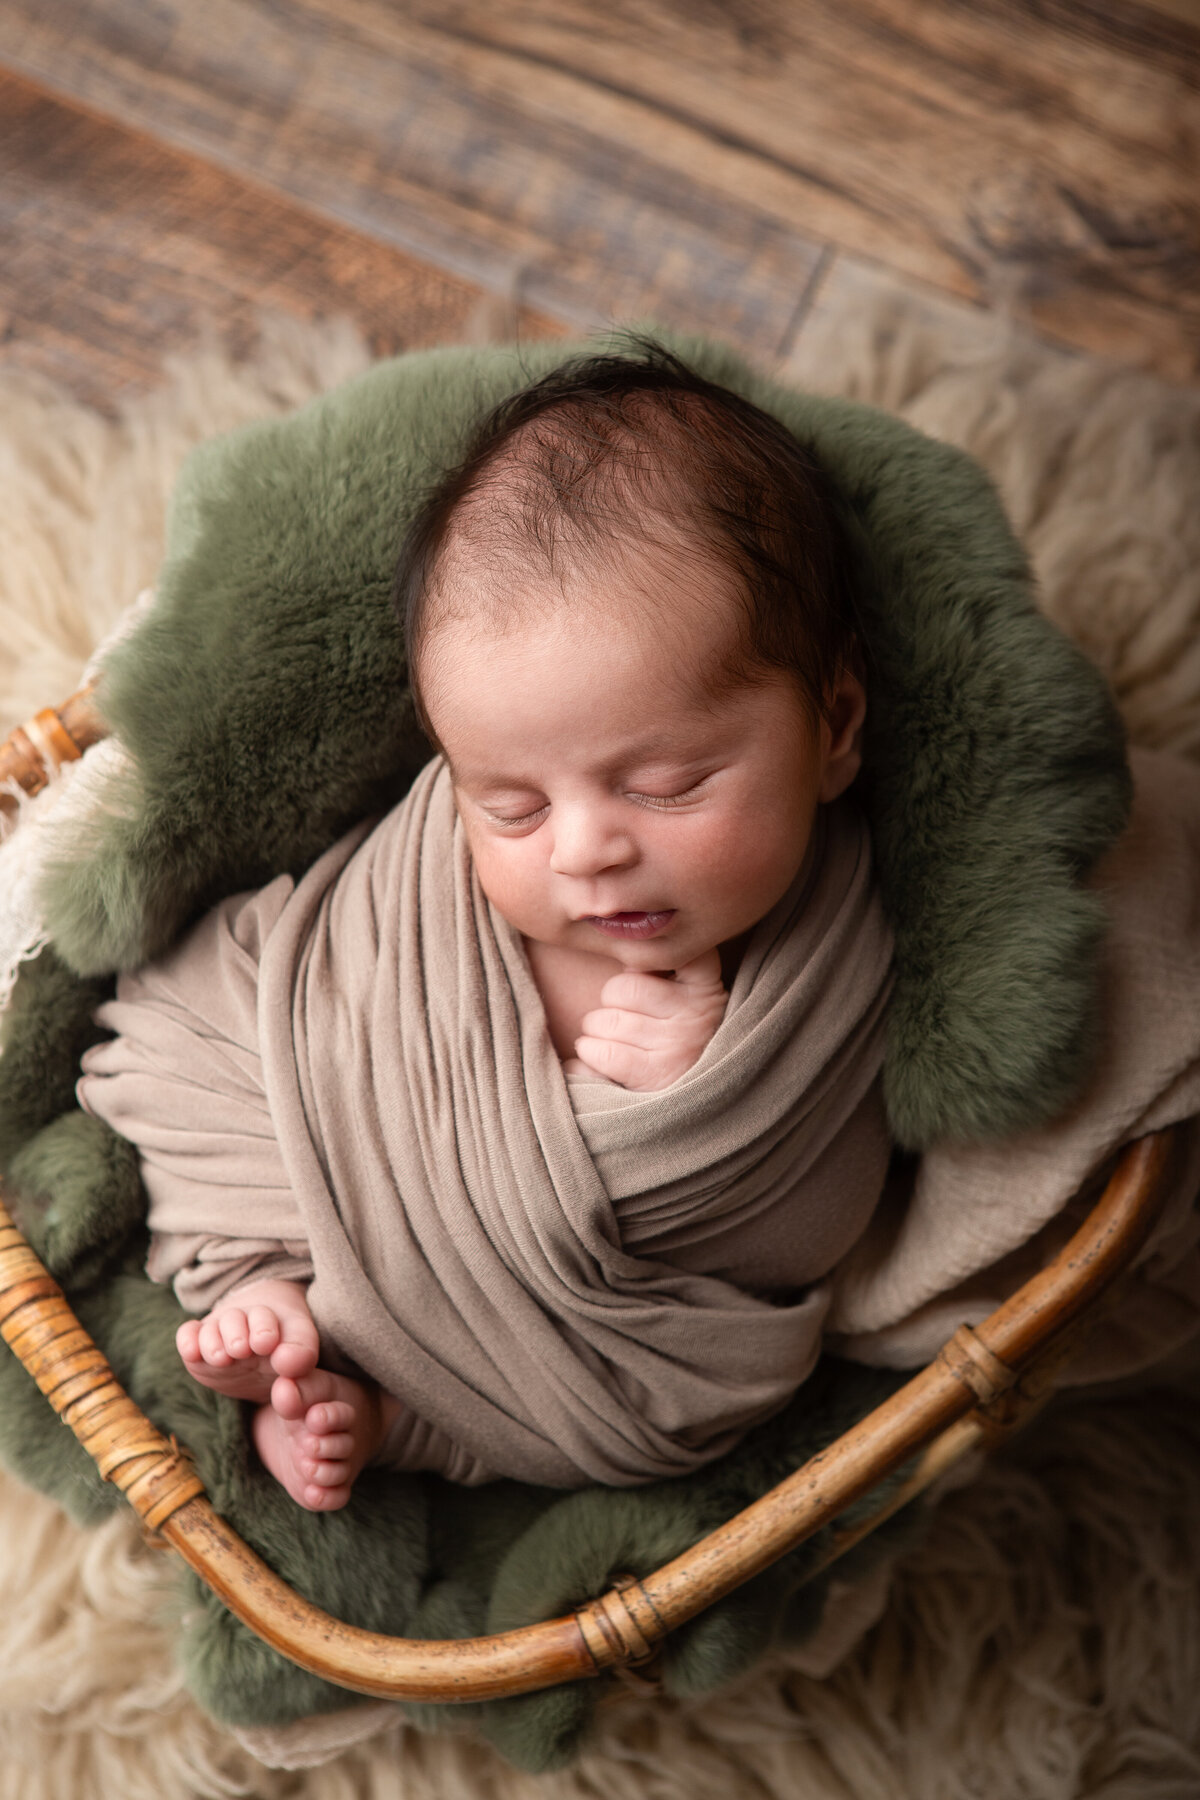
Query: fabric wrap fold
[(554, 1278), (979, 1219)]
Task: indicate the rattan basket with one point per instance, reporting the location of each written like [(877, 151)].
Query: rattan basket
[(982, 1384)]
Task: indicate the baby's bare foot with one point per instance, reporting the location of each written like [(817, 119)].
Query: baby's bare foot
[(241, 1352), (316, 1434)]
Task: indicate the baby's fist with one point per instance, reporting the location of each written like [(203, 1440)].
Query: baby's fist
[(648, 1030)]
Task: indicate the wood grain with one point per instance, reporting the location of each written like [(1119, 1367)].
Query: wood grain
[(694, 160), (459, 153), (118, 250)]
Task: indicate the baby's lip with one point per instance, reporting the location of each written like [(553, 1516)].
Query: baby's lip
[(627, 912), (643, 924)]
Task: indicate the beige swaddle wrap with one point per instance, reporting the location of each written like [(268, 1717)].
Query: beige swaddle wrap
[(982, 1218), (353, 1075)]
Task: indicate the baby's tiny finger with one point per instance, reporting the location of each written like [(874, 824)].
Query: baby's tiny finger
[(655, 995), (622, 1027), (625, 1064), (703, 972)]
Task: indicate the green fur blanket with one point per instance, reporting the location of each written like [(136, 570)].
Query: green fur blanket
[(264, 701)]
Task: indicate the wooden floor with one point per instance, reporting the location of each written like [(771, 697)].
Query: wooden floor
[(732, 166)]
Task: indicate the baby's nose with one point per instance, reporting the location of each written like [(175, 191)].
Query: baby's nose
[(586, 844)]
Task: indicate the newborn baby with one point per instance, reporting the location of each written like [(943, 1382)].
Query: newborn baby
[(632, 643)]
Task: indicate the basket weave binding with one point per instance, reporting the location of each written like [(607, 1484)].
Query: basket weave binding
[(982, 1384)]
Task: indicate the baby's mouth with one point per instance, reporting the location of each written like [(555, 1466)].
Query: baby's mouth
[(631, 924)]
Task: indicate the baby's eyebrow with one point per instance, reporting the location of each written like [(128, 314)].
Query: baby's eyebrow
[(668, 749), (486, 780), (659, 751)]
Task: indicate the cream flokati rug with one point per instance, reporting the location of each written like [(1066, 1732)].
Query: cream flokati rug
[(1044, 1642)]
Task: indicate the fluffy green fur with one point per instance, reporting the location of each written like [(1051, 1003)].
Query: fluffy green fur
[(409, 1555), (46, 1029), (264, 701)]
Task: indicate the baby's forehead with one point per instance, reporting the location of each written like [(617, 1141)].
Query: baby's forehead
[(562, 679), (498, 556), (664, 603)]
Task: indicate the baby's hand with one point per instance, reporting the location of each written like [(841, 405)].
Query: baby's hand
[(264, 1330), (648, 1029)]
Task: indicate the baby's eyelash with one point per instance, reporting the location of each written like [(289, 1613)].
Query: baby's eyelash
[(656, 803), (665, 800), (518, 818)]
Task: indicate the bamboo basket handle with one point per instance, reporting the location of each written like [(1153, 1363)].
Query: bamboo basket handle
[(972, 1374), (33, 752)]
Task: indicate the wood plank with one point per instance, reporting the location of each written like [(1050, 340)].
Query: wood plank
[(423, 139), (649, 156), (1037, 152), (1186, 12), (119, 250)]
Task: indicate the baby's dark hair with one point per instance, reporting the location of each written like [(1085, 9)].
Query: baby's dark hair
[(611, 450)]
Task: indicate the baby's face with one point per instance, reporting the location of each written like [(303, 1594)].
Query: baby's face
[(611, 803)]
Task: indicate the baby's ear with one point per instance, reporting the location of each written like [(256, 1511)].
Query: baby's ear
[(841, 735)]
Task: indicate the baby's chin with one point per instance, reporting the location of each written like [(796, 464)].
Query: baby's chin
[(653, 952), (656, 953)]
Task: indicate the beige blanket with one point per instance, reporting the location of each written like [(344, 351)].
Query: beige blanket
[(353, 1077), (979, 1219)]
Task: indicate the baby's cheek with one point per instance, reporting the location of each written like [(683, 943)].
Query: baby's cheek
[(514, 883), (729, 852), (748, 863)]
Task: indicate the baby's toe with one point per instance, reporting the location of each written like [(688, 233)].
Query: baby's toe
[(212, 1345), (316, 1389), (293, 1359), (187, 1341), (338, 1446), (325, 1499), (286, 1399), (298, 1346), (263, 1328), (329, 1415), (235, 1332), (331, 1473)]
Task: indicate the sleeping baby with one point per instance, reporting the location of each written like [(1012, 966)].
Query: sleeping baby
[(518, 1136)]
